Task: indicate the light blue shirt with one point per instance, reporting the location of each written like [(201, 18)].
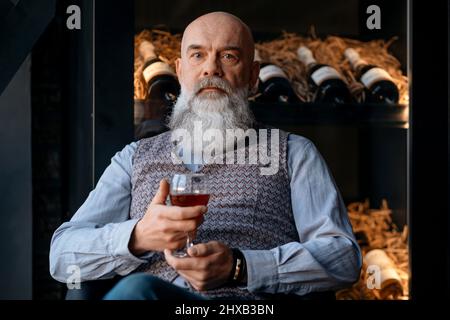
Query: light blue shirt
[(326, 257)]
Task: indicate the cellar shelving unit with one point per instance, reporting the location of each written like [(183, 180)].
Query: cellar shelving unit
[(359, 115)]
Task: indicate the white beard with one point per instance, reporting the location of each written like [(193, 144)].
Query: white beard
[(215, 110)]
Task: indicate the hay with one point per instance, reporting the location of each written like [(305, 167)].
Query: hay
[(282, 52), (379, 232)]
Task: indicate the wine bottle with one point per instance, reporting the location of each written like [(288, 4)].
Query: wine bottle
[(161, 80), (390, 283), (274, 85), (162, 91), (324, 81), (379, 86)]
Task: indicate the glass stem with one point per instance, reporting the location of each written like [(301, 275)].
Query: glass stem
[(189, 241)]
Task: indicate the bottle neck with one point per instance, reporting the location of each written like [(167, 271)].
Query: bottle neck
[(356, 62), (257, 57), (306, 57), (147, 51)]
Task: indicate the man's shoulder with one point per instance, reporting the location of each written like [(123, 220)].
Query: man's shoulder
[(300, 147), (298, 141)]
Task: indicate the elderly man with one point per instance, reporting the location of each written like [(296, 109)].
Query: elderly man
[(261, 236)]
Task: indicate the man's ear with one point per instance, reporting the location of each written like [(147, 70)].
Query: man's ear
[(178, 68), (254, 75)]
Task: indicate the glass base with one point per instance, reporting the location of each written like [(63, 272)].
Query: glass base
[(181, 253)]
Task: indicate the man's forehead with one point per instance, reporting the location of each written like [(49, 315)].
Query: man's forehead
[(219, 32), (209, 40), (210, 37)]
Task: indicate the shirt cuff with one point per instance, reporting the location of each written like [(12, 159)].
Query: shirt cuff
[(121, 239), (262, 271)]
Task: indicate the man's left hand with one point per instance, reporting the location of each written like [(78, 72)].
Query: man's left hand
[(208, 265)]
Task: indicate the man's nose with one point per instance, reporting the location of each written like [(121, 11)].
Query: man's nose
[(212, 68)]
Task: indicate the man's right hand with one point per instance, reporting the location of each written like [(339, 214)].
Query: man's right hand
[(164, 227)]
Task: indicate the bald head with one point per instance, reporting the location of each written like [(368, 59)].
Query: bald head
[(215, 23)]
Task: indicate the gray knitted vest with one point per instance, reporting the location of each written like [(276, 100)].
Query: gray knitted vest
[(246, 210)]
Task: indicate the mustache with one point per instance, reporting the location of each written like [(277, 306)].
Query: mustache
[(214, 82)]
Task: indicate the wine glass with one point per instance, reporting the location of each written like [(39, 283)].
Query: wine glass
[(188, 190)]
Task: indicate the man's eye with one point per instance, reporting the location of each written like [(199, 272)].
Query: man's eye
[(196, 55), (229, 56)]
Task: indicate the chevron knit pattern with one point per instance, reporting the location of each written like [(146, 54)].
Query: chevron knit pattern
[(246, 210)]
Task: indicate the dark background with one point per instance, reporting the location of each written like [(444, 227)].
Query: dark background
[(68, 109)]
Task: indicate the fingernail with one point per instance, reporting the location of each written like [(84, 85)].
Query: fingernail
[(193, 251), (204, 209)]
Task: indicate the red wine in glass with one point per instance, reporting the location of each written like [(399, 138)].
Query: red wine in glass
[(189, 200), (188, 190)]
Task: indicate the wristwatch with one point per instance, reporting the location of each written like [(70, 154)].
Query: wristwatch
[(238, 274)]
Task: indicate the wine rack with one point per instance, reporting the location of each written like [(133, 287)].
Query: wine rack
[(379, 115)]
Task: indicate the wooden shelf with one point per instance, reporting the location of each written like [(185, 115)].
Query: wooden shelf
[(331, 114)]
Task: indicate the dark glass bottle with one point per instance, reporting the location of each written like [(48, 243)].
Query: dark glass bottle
[(274, 85), (324, 81), (162, 91), (379, 86), (161, 80)]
